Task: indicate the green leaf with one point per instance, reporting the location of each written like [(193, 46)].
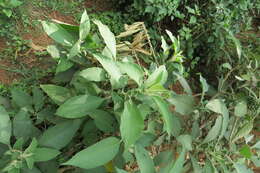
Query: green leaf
[(45, 154), (53, 51), (79, 106), (183, 83), (108, 37), (257, 145), (32, 147), (59, 34), (103, 120), (134, 71), (205, 86), (144, 160), (178, 165), (160, 75), (186, 141), (30, 150), (236, 42), (5, 126), (245, 130), (184, 104), (242, 168), (84, 27), (246, 152), (33, 170), (23, 125), (96, 155), (38, 98), (110, 66), (218, 106), (195, 165), (21, 98), (7, 12), (59, 135), (166, 114), (241, 109), (57, 93), (131, 125), (93, 74), (75, 50), (63, 65), (120, 170), (214, 131)]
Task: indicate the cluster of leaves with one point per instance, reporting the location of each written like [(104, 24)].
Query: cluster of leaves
[(6, 7), (105, 110)]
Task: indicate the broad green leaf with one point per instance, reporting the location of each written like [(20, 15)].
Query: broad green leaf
[(160, 75), (184, 104), (45, 154), (157, 89), (93, 74), (103, 120), (53, 51), (75, 50), (18, 145), (5, 127), (178, 164), (245, 130), (96, 155), (32, 147), (120, 170), (257, 145), (33, 170), (84, 27), (63, 65), (38, 98), (208, 168), (23, 126), (30, 150), (49, 166), (108, 37), (186, 141), (21, 98), (214, 131), (242, 168), (218, 106), (241, 109), (59, 135), (246, 151), (134, 71), (144, 160), (58, 33), (29, 162), (79, 106), (166, 114), (163, 158), (57, 93), (110, 66), (131, 125), (146, 110)]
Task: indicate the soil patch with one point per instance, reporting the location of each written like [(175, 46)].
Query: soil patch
[(99, 5), (6, 74), (2, 44)]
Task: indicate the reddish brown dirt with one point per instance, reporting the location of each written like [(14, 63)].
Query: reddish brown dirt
[(99, 5), (177, 88), (7, 77), (2, 44)]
